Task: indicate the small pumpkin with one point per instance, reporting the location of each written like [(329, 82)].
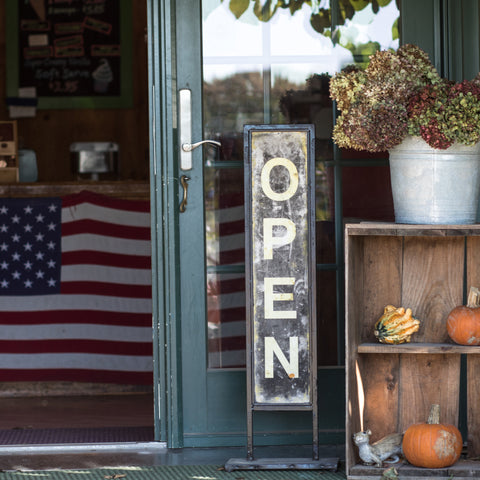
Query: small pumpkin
[(432, 444), (463, 322), (396, 325)]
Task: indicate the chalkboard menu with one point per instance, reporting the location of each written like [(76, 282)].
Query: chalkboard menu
[(76, 52)]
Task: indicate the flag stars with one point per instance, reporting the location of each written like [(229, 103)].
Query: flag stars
[(27, 284), (3, 247), (51, 282), (52, 208), (51, 264), (28, 209), (15, 238), (3, 210), (39, 237), (4, 265), (27, 228), (27, 247), (40, 274), (51, 245), (39, 255), (4, 228), (15, 219), (4, 283), (51, 226), (16, 275), (27, 265), (16, 257), (39, 218)]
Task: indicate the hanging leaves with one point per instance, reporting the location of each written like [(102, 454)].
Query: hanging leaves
[(320, 18), (239, 7)]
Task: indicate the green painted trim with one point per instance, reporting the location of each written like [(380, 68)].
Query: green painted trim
[(239, 440), (462, 33), (124, 100), (165, 240), (156, 207), (420, 24)]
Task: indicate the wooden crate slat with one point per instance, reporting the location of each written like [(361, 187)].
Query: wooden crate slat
[(432, 282), (380, 385), (425, 380), (382, 280)]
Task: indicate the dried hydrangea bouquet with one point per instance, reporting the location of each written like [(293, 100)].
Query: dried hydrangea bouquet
[(400, 104)]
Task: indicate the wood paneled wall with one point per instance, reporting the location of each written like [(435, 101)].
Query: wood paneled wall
[(51, 132)]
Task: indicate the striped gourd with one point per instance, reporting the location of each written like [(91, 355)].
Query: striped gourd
[(396, 325)]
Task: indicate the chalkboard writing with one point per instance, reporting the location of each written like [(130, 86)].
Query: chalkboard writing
[(70, 47)]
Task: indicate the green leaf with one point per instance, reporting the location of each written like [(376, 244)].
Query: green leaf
[(239, 7), (359, 4), (395, 33), (321, 21), (264, 13)]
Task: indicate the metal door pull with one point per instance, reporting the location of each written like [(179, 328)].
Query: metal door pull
[(185, 126), (183, 180), (188, 147)]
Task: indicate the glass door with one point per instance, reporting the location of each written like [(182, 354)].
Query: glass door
[(264, 62)]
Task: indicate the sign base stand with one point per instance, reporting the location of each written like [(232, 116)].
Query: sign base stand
[(282, 464), (280, 274)]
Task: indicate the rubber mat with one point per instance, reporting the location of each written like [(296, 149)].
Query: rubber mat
[(76, 435), (183, 472)]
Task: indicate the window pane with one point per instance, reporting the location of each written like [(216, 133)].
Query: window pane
[(273, 66)]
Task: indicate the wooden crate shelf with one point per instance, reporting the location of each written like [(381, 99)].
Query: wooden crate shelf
[(389, 387)]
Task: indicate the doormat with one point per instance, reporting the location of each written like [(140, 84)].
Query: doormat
[(181, 472), (42, 436)]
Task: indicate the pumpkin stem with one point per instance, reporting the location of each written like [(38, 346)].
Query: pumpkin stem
[(473, 300), (434, 415)]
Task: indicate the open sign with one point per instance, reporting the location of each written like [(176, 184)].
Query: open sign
[(280, 268)]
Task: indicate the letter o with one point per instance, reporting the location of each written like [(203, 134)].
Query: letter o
[(265, 179)]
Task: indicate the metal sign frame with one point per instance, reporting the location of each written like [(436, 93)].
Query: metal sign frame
[(280, 273)]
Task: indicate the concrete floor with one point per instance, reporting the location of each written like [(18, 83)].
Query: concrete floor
[(111, 411), (52, 457)]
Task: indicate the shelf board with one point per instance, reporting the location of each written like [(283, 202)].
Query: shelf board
[(399, 229), (463, 468), (426, 348)]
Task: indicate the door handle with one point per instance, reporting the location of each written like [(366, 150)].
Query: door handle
[(185, 124), (188, 147), (183, 180)]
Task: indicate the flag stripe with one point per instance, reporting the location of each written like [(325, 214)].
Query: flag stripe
[(100, 273), (126, 363), (105, 244), (69, 346), (121, 206), (90, 375), (74, 302), (99, 288), (92, 257), (74, 331), (102, 228), (75, 316)]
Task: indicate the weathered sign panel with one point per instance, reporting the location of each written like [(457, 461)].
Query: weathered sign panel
[(280, 266)]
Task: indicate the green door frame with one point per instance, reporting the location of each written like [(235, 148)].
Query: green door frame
[(165, 232), (421, 24)]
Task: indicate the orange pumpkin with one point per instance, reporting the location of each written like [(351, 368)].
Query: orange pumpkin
[(463, 322), (431, 444)]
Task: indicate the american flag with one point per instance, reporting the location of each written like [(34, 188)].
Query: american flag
[(75, 290), (226, 291)]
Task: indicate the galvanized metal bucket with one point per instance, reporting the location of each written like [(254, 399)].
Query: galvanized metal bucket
[(433, 186)]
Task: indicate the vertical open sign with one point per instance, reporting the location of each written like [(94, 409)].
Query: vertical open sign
[(280, 267)]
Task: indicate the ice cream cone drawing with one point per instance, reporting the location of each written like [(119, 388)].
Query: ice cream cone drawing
[(102, 76)]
